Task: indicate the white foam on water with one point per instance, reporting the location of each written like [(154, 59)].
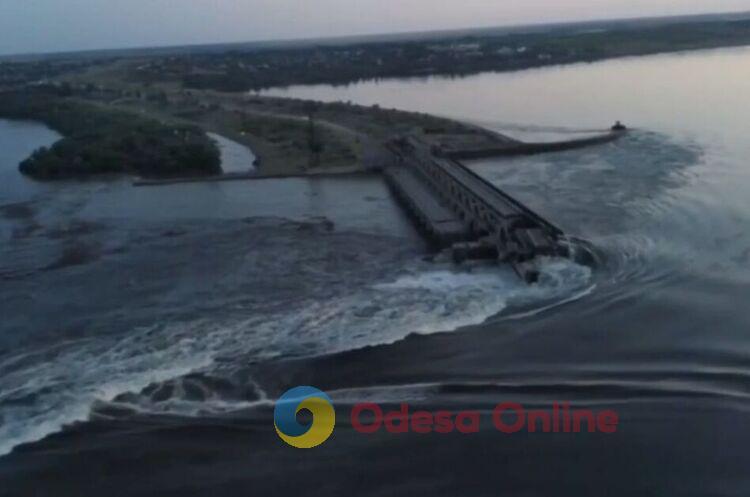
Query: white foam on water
[(39, 399), (488, 291), (40, 396)]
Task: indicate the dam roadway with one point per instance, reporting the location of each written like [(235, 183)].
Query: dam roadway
[(458, 209)]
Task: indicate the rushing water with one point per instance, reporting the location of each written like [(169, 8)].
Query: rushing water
[(663, 335), (107, 289), (667, 204)]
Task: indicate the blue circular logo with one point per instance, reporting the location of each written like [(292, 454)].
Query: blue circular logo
[(296, 434)]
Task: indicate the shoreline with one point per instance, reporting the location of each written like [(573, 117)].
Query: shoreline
[(249, 177), (271, 90)]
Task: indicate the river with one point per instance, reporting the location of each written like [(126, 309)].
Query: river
[(141, 308), (108, 288)]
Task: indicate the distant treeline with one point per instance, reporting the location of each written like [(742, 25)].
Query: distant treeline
[(254, 70), (101, 140)]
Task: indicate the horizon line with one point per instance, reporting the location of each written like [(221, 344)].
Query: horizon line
[(363, 37)]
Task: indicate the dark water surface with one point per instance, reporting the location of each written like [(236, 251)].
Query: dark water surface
[(172, 317)]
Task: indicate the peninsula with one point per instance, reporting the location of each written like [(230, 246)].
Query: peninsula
[(104, 140)]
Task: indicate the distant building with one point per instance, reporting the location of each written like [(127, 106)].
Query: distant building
[(456, 47)]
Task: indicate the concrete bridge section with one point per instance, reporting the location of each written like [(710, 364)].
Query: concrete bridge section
[(462, 211), (522, 148), (434, 217)]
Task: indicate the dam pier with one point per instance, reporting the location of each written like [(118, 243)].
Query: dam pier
[(459, 210)]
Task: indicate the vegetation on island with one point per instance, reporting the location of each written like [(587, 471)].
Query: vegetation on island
[(102, 140)]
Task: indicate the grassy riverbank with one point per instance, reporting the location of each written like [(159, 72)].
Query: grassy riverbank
[(290, 137)]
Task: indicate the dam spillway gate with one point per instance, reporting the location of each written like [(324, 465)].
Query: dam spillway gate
[(460, 210)]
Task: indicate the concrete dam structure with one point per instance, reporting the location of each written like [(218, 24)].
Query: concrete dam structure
[(461, 211)]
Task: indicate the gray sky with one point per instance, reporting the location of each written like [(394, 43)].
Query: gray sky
[(60, 25)]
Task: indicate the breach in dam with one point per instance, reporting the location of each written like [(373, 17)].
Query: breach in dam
[(461, 211)]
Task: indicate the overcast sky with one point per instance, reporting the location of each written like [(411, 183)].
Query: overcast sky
[(60, 25)]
